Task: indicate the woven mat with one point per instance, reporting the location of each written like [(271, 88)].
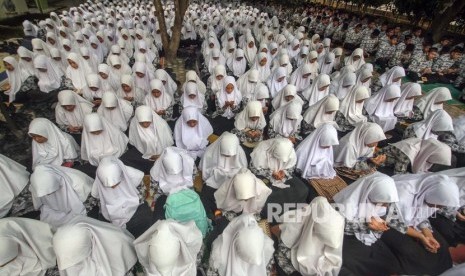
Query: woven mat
[(352, 174), (198, 182), (265, 227), (328, 187)]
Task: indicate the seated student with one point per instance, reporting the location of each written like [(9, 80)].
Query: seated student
[(244, 193), (287, 95), (353, 37), (262, 65), (277, 81), (142, 77), (115, 110), (20, 81), (351, 109), (308, 245), (70, 112), (101, 139), (150, 135), (215, 81), (380, 107), (283, 61), (121, 194), (300, 78), (129, 92), (415, 155), (356, 59), (386, 50), (422, 66), (446, 66), (83, 246), (364, 78), (50, 145), (420, 196), (318, 90), (192, 77), (391, 76), (93, 91), (343, 85), (402, 57), (50, 81), (213, 59), (301, 57), (327, 64), (228, 99), (58, 62), (323, 111), (438, 126), (170, 248), (404, 106), (160, 101), (16, 200), (77, 71), (241, 249), (237, 63), (192, 97), (368, 206), (355, 150), (430, 102), (26, 247), (247, 84), (191, 132), (311, 61), (60, 193), (250, 123), (370, 43), (170, 85), (108, 81), (286, 121)]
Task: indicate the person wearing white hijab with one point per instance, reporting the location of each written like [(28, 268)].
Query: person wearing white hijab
[(434, 125), (380, 107), (173, 171), (242, 249), (50, 145), (315, 153), (312, 60), (169, 248), (159, 100), (93, 91), (392, 76), (242, 193), (19, 81), (250, 123), (344, 85), (192, 77), (101, 139), (286, 121), (142, 77), (262, 65), (237, 63), (326, 66), (287, 95), (117, 111), (302, 57), (417, 154), (70, 112), (420, 196), (369, 206), (274, 160), (77, 71), (247, 84), (49, 78), (129, 91), (191, 132), (283, 61), (318, 90), (277, 81), (314, 240), (58, 62), (301, 77), (322, 112), (60, 193), (356, 59), (250, 50), (351, 109), (216, 80), (356, 149), (16, 198), (222, 160), (432, 101), (228, 99), (215, 58), (25, 61), (404, 105), (338, 76), (40, 47), (170, 85), (26, 247), (107, 80), (84, 246)]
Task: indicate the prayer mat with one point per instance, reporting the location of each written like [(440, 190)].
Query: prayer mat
[(353, 174), (328, 187)]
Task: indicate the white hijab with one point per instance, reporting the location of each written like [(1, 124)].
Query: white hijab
[(76, 117), (212, 62), (354, 144), (416, 190), (313, 94), (424, 153), (192, 139), (26, 247), (163, 102), (59, 192), (317, 114), (353, 111), (120, 114), (316, 239), (118, 204), (169, 248), (350, 59), (14, 177), (15, 77), (438, 121), (27, 67), (280, 99), (248, 82), (191, 88), (84, 246), (144, 82), (111, 142), (170, 85), (217, 85), (49, 80), (192, 77), (404, 105), (380, 109), (59, 146), (264, 71), (286, 120), (242, 193), (135, 92), (78, 76), (326, 67), (428, 103), (222, 160), (253, 109), (237, 63), (315, 153), (173, 170), (345, 84), (388, 77), (242, 249), (273, 85), (223, 96), (298, 80), (153, 139)]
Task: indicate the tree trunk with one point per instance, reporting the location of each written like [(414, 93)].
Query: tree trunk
[(171, 45), (442, 19), (9, 122)]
